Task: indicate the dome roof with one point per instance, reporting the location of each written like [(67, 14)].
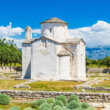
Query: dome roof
[(54, 20)]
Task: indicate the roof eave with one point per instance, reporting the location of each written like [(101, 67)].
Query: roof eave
[(54, 22)]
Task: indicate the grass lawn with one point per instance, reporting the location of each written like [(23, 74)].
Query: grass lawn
[(39, 85), (96, 66), (21, 105), (8, 84), (105, 83), (53, 85)]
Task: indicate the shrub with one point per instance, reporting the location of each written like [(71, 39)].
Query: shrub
[(64, 108), (28, 108), (50, 100), (46, 108), (90, 108), (58, 102), (14, 108), (84, 105), (79, 109), (62, 98), (57, 107), (37, 103), (73, 98), (73, 105), (4, 99), (44, 105)]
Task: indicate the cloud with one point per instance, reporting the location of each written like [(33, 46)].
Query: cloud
[(97, 34), (9, 31), (36, 31), (18, 42)]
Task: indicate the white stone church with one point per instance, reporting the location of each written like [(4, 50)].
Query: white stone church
[(53, 56)]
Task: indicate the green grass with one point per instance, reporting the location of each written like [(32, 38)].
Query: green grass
[(8, 84), (96, 66), (53, 85), (21, 105), (105, 83), (39, 85)]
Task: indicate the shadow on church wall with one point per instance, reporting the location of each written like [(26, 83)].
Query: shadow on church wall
[(28, 72)]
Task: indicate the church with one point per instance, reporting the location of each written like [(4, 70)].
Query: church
[(53, 56)]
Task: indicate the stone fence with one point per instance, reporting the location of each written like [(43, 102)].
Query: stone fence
[(97, 89), (88, 70), (88, 97), (8, 69), (97, 70)]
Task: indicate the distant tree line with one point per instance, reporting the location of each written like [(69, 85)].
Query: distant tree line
[(9, 53), (99, 62)]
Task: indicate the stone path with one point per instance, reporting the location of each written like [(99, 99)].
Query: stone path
[(89, 83), (104, 106), (24, 85)]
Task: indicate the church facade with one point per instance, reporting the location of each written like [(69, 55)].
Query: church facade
[(53, 56)]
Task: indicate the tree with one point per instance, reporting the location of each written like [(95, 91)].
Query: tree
[(106, 61), (9, 53)]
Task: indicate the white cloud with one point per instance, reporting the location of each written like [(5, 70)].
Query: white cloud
[(98, 34), (7, 32), (36, 31), (18, 42)]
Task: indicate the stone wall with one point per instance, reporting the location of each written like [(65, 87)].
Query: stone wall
[(7, 69), (96, 88), (97, 70), (88, 97)]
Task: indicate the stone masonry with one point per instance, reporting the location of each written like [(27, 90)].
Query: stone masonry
[(87, 97)]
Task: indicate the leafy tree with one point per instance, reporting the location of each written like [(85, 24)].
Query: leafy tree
[(9, 53)]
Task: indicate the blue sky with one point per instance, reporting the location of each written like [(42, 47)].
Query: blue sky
[(82, 16), (78, 13)]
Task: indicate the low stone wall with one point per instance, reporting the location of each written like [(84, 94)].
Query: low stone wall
[(88, 97), (97, 70), (7, 69), (96, 88)]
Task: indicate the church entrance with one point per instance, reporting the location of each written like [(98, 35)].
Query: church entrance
[(64, 67)]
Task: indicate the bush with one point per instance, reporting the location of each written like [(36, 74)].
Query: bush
[(73, 105), (57, 107), (73, 98), (37, 103), (50, 100), (44, 105), (62, 98), (90, 108), (64, 108), (15, 108), (28, 108), (46, 108), (4, 99), (84, 105), (79, 109), (58, 102)]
